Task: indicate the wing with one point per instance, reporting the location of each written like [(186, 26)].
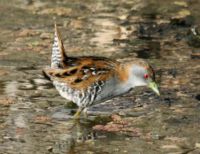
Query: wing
[(80, 73)]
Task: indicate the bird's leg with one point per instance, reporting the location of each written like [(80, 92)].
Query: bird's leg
[(85, 112), (76, 117), (78, 113)]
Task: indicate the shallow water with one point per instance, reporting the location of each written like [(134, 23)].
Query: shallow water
[(35, 119)]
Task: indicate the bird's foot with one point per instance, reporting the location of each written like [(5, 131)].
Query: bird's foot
[(77, 114)]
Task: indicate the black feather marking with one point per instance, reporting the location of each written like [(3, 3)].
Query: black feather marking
[(58, 75), (78, 80), (66, 74), (86, 67), (73, 71), (46, 75)]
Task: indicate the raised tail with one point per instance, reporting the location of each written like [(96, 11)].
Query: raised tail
[(58, 51)]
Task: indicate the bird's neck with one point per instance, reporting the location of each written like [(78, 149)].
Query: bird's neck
[(123, 73)]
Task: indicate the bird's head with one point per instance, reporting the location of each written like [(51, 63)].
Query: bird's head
[(141, 74)]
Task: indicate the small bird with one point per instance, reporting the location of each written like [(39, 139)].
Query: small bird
[(89, 80)]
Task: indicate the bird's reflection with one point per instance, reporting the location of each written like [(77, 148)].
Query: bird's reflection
[(73, 134)]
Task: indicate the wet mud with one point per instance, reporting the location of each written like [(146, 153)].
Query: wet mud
[(34, 119)]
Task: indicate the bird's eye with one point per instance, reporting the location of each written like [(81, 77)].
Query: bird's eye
[(146, 76)]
